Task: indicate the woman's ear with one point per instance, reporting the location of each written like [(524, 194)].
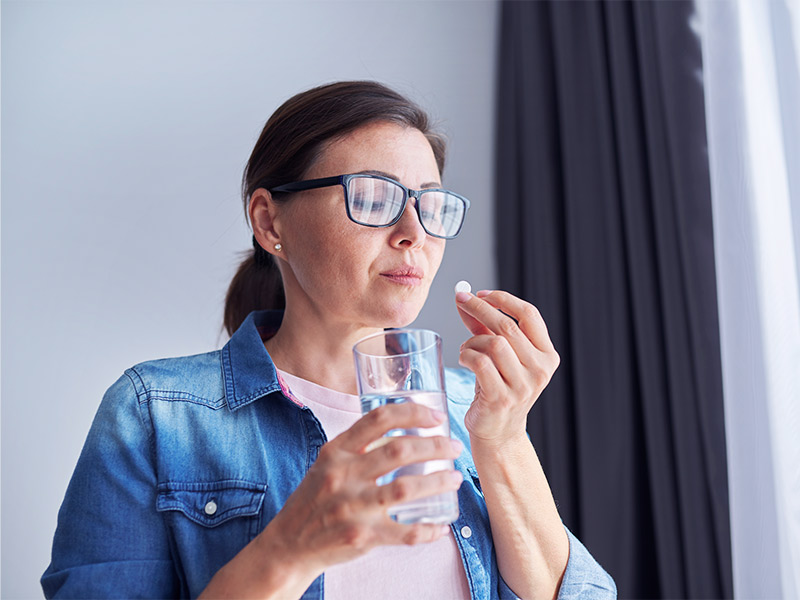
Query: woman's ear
[(263, 212)]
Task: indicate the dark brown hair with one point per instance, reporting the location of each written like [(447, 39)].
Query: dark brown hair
[(289, 144)]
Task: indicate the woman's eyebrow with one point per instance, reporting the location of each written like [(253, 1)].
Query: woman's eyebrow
[(395, 178)]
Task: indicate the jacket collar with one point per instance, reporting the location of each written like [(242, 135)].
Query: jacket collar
[(247, 368)]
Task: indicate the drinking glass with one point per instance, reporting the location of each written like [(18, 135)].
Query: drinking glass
[(405, 365)]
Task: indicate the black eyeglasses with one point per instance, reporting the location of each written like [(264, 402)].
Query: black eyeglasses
[(377, 201)]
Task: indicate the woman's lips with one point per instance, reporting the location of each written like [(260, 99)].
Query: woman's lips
[(404, 276)]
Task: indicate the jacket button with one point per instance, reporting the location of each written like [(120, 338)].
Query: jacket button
[(466, 532), (210, 508)]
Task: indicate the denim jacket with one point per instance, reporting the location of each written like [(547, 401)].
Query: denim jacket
[(189, 458)]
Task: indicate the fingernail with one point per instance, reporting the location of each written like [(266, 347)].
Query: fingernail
[(445, 529), (456, 477), (462, 297), (457, 445), (483, 293)]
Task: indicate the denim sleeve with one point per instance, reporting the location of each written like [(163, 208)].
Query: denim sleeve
[(584, 578), (110, 542)]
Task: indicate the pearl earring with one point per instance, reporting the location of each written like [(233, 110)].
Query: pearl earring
[(278, 247)]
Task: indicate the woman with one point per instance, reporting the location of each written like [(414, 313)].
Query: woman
[(246, 472)]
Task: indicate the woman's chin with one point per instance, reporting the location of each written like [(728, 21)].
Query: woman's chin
[(401, 318)]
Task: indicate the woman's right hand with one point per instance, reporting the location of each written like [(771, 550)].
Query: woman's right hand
[(338, 512)]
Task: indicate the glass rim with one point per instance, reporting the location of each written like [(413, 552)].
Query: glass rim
[(400, 330)]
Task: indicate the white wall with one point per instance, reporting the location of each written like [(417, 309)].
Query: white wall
[(125, 129)]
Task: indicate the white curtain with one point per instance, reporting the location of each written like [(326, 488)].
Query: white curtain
[(751, 52)]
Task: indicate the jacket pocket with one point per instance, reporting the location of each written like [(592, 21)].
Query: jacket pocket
[(208, 524), (212, 503)]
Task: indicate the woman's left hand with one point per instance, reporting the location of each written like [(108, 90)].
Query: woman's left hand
[(513, 360)]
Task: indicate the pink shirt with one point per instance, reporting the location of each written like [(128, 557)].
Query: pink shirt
[(423, 571)]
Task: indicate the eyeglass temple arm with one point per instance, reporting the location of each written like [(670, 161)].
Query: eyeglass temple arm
[(300, 186)]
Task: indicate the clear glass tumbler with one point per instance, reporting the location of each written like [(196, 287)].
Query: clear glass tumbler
[(405, 365)]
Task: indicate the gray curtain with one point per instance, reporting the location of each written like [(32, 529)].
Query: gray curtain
[(604, 223)]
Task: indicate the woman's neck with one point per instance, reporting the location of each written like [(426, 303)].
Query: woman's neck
[(317, 350)]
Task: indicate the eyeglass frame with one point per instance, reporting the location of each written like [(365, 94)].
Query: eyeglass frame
[(344, 180)]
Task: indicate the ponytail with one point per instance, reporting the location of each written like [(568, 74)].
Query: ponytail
[(257, 285)]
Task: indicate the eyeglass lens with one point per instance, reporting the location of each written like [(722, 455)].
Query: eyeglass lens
[(378, 202)]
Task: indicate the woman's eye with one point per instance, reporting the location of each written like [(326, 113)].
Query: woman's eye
[(361, 200), (367, 204), (378, 205)]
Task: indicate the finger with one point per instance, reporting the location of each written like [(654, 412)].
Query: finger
[(474, 325), (497, 323), (379, 421), (527, 315), (418, 533), (414, 487), (396, 452), (509, 364), (485, 370)]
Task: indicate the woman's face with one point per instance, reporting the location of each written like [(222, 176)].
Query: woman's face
[(362, 276)]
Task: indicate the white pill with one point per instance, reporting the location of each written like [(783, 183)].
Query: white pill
[(463, 286)]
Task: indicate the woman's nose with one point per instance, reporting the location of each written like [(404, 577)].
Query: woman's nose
[(408, 231)]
